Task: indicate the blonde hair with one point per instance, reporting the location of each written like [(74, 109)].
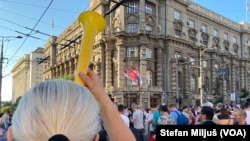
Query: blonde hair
[(56, 107)]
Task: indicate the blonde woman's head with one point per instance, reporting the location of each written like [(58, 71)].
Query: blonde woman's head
[(56, 107)]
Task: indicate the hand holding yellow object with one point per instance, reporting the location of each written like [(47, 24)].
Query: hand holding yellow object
[(92, 23)]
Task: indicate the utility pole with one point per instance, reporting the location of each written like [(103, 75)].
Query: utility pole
[(201, 72), (200, 80), (1, 71), (1, 63)]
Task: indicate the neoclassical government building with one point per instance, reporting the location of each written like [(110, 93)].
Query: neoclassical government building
[(185, 53)]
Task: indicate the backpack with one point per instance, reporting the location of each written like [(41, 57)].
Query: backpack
[(166, 120), (181, 119)]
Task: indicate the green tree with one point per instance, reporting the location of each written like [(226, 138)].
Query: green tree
[(217, 92), (217, 88), (244, 93), (7, 107), (66, 77)]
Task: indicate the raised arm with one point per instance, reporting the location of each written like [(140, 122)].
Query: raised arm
[(113, 123)]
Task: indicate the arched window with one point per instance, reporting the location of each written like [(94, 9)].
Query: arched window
[(192, 82)]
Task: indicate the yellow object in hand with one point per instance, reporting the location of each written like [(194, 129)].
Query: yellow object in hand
[(92, 23)]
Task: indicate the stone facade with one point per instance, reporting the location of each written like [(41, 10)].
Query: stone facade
[(26, 73), (149, 36)]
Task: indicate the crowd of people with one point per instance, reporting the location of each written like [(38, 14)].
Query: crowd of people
[(61, 110), (142, 122)]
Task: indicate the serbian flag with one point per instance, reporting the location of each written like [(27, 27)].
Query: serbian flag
[(132, 74)]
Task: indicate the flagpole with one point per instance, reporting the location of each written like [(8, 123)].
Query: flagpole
[(52, 26), (246, 9)]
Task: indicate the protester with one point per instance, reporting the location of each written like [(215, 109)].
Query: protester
[(224, 117), (137, 120), (165, 118), (4, 123), (240, 117), (63, 110), (206, 116), (247, 109)]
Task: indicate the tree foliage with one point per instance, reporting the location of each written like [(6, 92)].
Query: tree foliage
[(66, 77), (9, 106), (217, 87), (244, 93)]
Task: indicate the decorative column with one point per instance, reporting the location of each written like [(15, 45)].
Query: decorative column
[(143, 70), (186, 79), (75, 62), (159, 73), (98, 68), (66, 68), (56, 72), (70, 67), (242, 75), (121, 54), (215, 67), (108, 68), (62, 68)]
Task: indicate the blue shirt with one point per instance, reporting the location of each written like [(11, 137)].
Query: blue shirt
[(174, 114), (156, 117)]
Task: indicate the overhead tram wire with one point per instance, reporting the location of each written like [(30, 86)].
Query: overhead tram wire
[(37, 31), (23, 33), (33, 5), (5, 10), (31, 30)]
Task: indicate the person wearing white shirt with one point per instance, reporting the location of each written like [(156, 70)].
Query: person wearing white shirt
[(121, 110), (247, 109)]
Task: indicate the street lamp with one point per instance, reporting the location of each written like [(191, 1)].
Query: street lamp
[(1, 63), (201, 73)]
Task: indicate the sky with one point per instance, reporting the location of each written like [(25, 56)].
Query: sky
[(16, 16)]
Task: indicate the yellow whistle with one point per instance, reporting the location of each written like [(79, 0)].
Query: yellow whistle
[(92, 23)]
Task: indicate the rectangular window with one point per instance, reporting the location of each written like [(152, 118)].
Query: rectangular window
[(215, 33), (204, 64), (192, 60), (177, 15), (225, 36), (132, 52), (190, 23), (234, 39), (177, 54), (148, 9), (192, 83), (204, 28), (148, 53), (132, 28), (132, 8), (178, 33), (148, 27)]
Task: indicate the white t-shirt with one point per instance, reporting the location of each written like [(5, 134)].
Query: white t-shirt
[(125, 119), (248, 117), (150, 117), (138, 117)]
